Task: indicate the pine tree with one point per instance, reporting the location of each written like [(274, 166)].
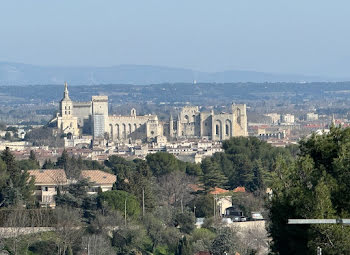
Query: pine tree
[(32, 155), (212, 176), (183, 247), (48, 164), (19, 187)]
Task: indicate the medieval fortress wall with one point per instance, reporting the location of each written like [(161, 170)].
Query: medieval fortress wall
[(92, 118)]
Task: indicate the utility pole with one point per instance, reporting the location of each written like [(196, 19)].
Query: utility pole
[(125, 212), (215, 198), (182, 206), (143, 202)]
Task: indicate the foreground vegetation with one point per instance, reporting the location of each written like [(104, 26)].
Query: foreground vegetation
[(152, 208)]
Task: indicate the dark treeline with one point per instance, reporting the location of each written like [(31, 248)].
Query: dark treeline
[(200, 93)]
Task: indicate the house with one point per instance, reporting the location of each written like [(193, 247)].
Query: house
[(99, 179), (222, 197), (47, 182)]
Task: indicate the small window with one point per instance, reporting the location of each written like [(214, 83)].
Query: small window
[(46, 188), (227, 129), (217, 129), (65, 112)]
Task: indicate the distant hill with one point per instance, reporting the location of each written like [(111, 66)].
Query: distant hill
[(23, 74)]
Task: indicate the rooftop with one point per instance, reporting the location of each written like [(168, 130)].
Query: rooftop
[(98, 176), (49, 176)]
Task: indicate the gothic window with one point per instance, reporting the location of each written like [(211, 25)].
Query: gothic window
[(133, 112), (217, 129), (124, 130), (117, 131), (227, 129), (239, 116)]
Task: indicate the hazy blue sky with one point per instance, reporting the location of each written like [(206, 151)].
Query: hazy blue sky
[(282, 36)]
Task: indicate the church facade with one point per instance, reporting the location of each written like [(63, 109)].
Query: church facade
[(92, 118), (191, 123)]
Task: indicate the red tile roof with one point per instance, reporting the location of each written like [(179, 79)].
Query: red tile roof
[(98, 176), (49, 176), (218, 191), (239, 189)]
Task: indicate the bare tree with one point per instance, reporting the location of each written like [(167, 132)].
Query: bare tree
[(251, 238), (97, 245), (174, 189), (68, 228), (16, 223)]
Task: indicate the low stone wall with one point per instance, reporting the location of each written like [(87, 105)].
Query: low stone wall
[(13, 232), (249, 225)]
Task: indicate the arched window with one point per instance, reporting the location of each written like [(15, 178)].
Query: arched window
[(65, 112), (217, 129), (239, 116), (133, 112), (227, 129), (124, 130), (111, 130), (117, 131)]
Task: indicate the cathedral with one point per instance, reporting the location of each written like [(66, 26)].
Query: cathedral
[(191, 123), (91, 118)]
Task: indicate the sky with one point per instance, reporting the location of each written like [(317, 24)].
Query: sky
[(308, 37)]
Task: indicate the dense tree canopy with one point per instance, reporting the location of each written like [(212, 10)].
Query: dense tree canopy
[(316, 185), (246, 162), (15, 185), (121, 201)]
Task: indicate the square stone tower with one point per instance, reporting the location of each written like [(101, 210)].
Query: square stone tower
[(99, 115)]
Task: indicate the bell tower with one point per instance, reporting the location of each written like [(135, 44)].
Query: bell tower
[(66, 121), (66, 104)]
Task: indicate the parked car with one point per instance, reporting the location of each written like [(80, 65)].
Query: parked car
[(257, 216), (199, 222), (234, 214)]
